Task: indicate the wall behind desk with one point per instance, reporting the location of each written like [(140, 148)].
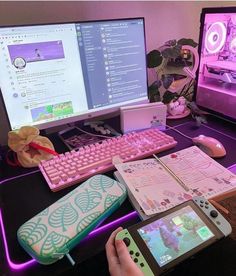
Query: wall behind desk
[(164, 20)]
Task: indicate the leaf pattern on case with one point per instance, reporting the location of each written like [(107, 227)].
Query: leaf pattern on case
[(88, 200), (101, 183), (109, 200), (44, 212), (32, 232), (86, 221), (70, 194), (52, 243), (122, 187), (63, 216)]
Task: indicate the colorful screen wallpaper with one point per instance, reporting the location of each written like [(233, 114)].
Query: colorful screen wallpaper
[(38, 51), (172, 236), (59, 110)]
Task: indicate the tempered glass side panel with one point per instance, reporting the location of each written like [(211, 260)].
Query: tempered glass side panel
[(216, 78)]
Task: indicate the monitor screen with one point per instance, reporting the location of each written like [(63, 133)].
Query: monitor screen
[(174, 235), (216, 86), (60, 73)]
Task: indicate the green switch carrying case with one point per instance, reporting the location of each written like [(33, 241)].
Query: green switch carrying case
[(52, 233)]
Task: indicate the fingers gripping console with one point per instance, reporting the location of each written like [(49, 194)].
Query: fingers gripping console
[(164, 240), (135, 252)]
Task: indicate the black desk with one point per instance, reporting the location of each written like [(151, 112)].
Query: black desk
[(27, 194)]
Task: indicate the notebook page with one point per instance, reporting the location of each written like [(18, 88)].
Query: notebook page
[(201, 174), (152, 186)]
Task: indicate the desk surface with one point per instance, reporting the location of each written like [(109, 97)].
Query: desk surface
[(27, 194)]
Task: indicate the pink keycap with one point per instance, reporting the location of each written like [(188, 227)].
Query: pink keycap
[(76, 166)]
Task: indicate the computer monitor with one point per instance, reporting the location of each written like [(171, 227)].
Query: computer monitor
[(216, 83), (53, 74)]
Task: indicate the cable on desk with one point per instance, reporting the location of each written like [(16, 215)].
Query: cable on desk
[(176, 130), (108, 137), (92, 134)]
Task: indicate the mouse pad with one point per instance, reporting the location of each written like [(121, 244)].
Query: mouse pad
[(23, 197)]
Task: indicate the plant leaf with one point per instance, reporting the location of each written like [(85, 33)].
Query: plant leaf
[(187, 41), (154, 59), (170, 43), (173, 52), (177, 50), (153, 92), (167, 80), (168, 97), (167, 53), (155, 85)]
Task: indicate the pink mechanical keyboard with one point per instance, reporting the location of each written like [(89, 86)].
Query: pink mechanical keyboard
[(75, 166)]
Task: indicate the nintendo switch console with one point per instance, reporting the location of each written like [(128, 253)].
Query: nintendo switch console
[(163, 241)]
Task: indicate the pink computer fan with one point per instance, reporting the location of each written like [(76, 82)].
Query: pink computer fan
[(215, 37)]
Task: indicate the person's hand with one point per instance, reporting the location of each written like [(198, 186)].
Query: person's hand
[(119, 261)]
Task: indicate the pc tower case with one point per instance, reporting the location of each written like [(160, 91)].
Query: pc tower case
[(216, 77)]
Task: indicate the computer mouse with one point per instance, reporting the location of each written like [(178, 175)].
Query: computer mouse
[(210, 146)]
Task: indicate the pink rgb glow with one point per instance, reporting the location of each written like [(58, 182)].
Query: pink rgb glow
[(232, 45), (215, 37), (216, 87), (25, 265)]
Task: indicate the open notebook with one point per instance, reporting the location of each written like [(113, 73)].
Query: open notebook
[(190, 172)]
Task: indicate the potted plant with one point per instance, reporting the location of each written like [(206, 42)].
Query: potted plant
[(173, 67)]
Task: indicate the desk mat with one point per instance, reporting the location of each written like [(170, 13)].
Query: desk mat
[(23, 197)]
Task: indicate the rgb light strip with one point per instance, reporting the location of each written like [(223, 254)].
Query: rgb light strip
[(27, 264)]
